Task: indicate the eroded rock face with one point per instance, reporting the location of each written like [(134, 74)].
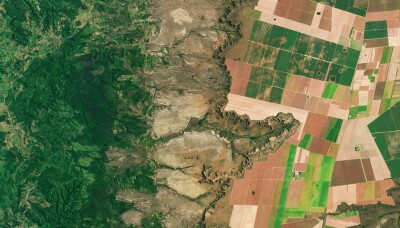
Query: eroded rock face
[(192, 149), (181, 17), (179, 211), (142, 201), (180, 108), (132, 217), (120, 158), (182, 183), (194, 165)]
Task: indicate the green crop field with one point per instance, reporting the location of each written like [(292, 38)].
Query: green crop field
[(276, 95), (332, 132), (290, 41), (283, 60), (375, 34), (264, 92), (386, 133), (387, 54), (256, 54), (330, 90), (289, 51), (276, 36), (280, 79), (306, 141), (261, 32), (252, 89)]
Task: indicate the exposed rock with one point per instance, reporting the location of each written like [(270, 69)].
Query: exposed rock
[(132, 217), (194, 149), (180, 212), (181, 16), (180, 108), (183, 184)]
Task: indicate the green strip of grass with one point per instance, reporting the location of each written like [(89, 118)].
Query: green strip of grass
[(330, 90), (387, 55), (306, 141)]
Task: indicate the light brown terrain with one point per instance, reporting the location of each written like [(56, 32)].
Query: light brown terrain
[(177, 112), (200, 147)]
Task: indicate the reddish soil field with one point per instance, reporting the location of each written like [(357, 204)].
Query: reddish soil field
[(315, 130), (325, 24), (383, 72), (268, 172), (347, 172), (257, 171), (311, 104), (369, 172), (304, 85), (281, 9), (262, 217), (267, 192), (254, 192), (240, 73), (288, 97), (299, 101), (239, 191), (377, 43), (294, 139), (320, 146), (300, 167), (294, 193), (278, 173), (318, 119), (259, 183), (275, 159)]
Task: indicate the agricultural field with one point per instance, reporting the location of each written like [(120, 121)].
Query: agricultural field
[(256, 113), (292, 184), (334, 65), (386, 132), (353, 6)]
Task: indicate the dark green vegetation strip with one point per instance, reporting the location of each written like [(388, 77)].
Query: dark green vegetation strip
[(386, 132), (375, 30), (387, 55), (333, 131), (306, 141), (66, 102), (330, 90), (375, 25)]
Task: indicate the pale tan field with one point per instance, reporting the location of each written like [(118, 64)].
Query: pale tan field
[(243, 216)]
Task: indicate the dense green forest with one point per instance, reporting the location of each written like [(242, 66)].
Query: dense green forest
[(71, 87)]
